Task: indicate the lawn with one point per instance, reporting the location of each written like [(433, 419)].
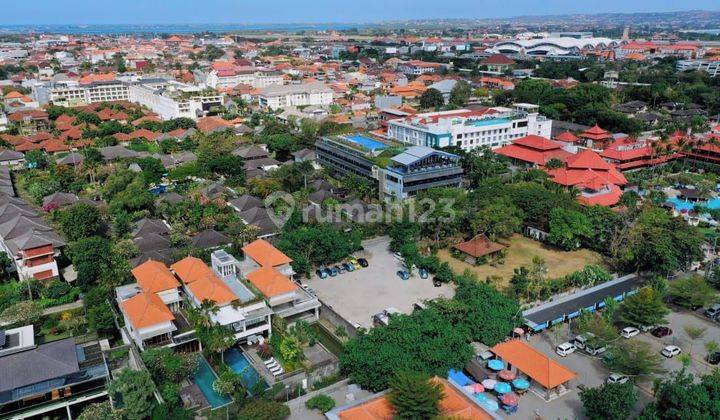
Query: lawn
[(521, 252)]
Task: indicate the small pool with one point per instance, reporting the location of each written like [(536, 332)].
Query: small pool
[(204, 378), (491, 121), (366, 142), (240, 364)]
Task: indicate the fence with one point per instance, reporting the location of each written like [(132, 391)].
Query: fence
[(337, 320)]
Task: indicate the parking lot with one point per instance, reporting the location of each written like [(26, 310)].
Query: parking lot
[(592, 373), (360, 294)]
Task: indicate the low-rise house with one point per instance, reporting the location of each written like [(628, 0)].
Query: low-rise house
[(478, 247), (151, 307), (269, 270), (12, 158), (237, 306), (39, 379)]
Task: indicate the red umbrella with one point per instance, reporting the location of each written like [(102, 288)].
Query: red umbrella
[(509, 399), (506, 375), (478, 388)]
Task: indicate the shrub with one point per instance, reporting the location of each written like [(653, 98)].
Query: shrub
[(320, 402), (57, 289)]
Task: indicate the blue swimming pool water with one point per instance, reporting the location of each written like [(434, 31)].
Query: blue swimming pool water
[(680, 204), (240, 364), (204, 379), (491, 121), (366, 142)]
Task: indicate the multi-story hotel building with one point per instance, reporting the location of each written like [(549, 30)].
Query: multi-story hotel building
[(470, 129)]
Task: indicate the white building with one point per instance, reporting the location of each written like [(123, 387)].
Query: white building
[(256, 77), (71, 93), (170, 99), (467, 129), (295, 95), (712, 67)]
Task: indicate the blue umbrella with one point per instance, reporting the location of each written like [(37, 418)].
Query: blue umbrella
[(496, 364), (490, 405), (502, 388), (481, 397), (521, 383)]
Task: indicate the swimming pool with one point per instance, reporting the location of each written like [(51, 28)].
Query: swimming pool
[(682, 205), (240, 364), (366, 142), (491, 121), (204, 379)]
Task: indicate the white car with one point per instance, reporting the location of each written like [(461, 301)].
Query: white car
[(670, 351), (616, 378), (565, 348), (628, 332)]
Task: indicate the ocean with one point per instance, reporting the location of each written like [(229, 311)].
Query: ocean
[(138, 29)]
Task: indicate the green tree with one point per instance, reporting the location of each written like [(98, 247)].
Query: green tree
[(424, 341), (460, 93), (92, 260), (414, 396), (133, 389), (659, 243), (644, 308), (634, 358), (264, 410), (431, 98), (602, 330), (681, 397), (568, 228), (100, 318), (691, 292), (320, 402), (79, 221), (609, 401), (500, 218), (490, 314)]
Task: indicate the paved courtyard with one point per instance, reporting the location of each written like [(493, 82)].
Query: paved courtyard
[(360, 294)]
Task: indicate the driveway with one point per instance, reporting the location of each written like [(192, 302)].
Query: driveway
[(360, 294)]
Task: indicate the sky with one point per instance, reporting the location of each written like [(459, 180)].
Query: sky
[(315, 11)]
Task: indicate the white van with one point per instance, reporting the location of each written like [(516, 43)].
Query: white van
[(565, 348)]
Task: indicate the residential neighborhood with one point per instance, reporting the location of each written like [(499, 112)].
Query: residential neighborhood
[(466, 212)]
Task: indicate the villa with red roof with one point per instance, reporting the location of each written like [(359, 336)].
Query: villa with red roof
[(534, 150), (628, 153), (269, 270), (596, 138), (598, 181)]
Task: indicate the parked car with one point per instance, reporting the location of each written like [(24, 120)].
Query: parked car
[(661, 332), (403, 274), (322, 273), (670, 351), (398, 256), (355, 263), (712, 311), (594, 349), (582, 339), (616, 378), (565, 348), (713, 358), (349, 267), (333, 271), (340, 269), (363, 262), (437, 283), (629, 332), (423, 273)]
